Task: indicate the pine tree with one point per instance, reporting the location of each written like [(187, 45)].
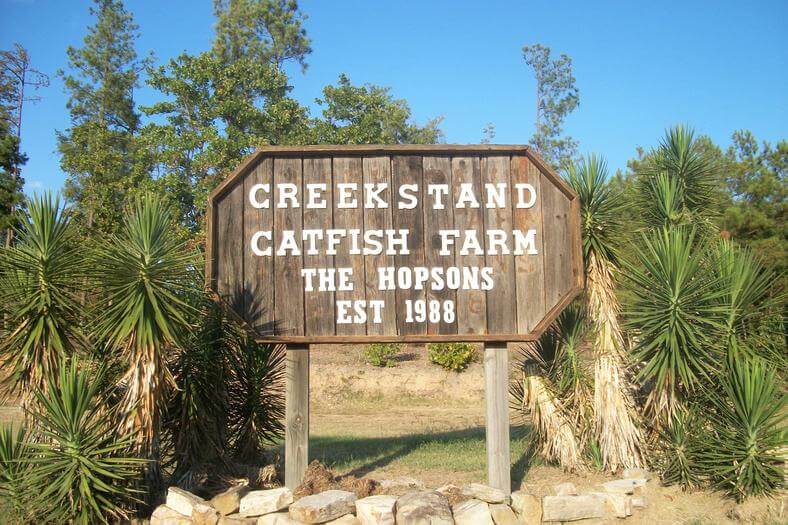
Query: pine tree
[(99, 152)]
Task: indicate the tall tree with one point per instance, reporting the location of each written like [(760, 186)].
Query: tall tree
[(17, 77), (757, 214), (556, 97), (266, 31), (368, 114), (99, 152)]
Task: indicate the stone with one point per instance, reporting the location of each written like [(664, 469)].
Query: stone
[(503, 514), (277, 518), (472, 512), (326, 506), (260, 502), (164, 515), (236, 519), (632, 473), (625, 486), (528, 507), (400, 485), (639, 502), (184, 501), (565, 489), (204, 514), (423, 508), (570, 508), (229, 501), (376, 510), (485, 493), (447, 489), (619, 505), (347, 519)]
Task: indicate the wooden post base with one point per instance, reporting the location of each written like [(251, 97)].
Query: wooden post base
[(296, 414), (496, 397)]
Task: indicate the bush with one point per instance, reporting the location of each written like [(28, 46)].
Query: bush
[(452, 356), (382, 354)]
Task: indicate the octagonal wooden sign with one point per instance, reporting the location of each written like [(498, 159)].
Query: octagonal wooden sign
[(411, 243)]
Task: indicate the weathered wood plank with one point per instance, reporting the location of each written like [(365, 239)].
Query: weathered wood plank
[(296, 414), (437, 171), (288, 285), (496, 398), (501, 300), (557, 243), (318, 306), (529, 269), (348, 170), (230, 241), (408, 170), (471, 304), (377, 170), (258, 276)]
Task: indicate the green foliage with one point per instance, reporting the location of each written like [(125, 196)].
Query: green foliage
[(678, 458), (556, 97), (452, 356), (81, 469), (40, 279), (757, 214), (267, 31), (675, 311), (99, 152), (742, 456), (256, 394), (382, 354), (14, 469), (601, 207), (369, 115)]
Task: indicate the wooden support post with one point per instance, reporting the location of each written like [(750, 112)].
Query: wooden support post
[(296, 414), (496, 397)]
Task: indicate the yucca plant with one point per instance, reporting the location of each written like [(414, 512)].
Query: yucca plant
[(554, 390), (82, 469), (616, 427), (14, 468), (255, 394), (675, 313), (39, 284), (743, 456), (680, 449), (145, 273), (677, 182)]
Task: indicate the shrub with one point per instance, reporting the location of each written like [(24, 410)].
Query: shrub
[(14, 466), (382, 354), (81, 471), (452, 356)]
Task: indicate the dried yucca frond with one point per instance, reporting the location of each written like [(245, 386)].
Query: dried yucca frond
[(615, 422), (554, 431)]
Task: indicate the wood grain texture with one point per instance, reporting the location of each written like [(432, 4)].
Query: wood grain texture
[(319, 305), (496, 400), (258, 274), (471, 304), (288, 285), (348, 170), (229, 261), (529, 269), (501, 307), (559, 278), (437, 171), (296, 414), (408, 170), (377, 170)]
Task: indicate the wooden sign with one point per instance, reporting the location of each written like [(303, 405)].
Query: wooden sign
[(329, 244)]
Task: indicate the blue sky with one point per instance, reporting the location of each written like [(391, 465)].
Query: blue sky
[(640, 66)]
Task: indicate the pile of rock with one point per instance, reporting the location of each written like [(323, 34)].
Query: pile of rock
[(474, 504)]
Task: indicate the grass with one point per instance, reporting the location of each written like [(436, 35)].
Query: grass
[(457, 451)]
